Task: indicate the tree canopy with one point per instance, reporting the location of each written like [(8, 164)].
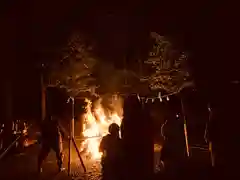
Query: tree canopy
[(168, 65), (79, 71), (74, 71)]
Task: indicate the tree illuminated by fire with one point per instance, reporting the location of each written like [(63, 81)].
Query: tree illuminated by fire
[(79, 71), (74, 71), (168, 65)]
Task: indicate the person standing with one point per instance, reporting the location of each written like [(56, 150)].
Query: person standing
[(110, 146), (52, 136), (137, 137), (208, 135), (173, 152)]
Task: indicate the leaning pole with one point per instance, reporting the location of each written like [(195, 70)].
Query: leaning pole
[(71, 132), (185, 129)]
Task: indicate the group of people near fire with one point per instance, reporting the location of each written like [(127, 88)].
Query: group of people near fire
[(126, 155), (130, 155)]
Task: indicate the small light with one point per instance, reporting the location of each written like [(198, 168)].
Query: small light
[(167, 98), (146, 100), (139, 98)]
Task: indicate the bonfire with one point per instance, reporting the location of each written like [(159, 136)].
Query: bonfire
[(95, 126)]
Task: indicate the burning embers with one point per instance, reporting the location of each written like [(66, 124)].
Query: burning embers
[(95, 126)]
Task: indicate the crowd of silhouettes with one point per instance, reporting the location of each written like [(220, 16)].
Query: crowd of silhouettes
[(131, 155), (136, 145)]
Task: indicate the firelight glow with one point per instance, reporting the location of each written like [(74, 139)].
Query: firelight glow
[(95, 126)]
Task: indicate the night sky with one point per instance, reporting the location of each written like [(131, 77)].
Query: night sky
[(33, 30)]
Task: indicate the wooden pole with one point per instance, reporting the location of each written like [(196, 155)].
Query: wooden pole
[(71, 130), (76, 148), (211, 154), (69, 145), (207, 137), (69, 154), (73, 114), (185, 129), (43, 99), (9, 147), (79, 155)]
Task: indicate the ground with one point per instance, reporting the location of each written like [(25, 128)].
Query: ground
[(24, 165)]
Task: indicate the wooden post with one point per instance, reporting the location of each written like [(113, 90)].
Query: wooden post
[(185, 129), (69, 145), (71, 131), (43, 99), (211, 154), (73, 121), (79, 155), (69, 155), (207, 137)]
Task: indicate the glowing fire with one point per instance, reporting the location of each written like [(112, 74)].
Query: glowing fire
[(95, 126)]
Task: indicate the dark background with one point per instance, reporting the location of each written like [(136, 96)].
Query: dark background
[(32, 31)]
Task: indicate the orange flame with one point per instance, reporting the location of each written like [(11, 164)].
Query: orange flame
[(95, 126)]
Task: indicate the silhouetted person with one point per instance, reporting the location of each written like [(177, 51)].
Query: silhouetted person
[(209, 134), (51, 139), (110, 146), (137, 136), (224, 137), (224, 127), (173, 151)]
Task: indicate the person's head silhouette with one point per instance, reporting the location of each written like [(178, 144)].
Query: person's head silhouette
[(114, 129)]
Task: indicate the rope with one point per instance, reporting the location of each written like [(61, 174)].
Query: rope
[(198, 147), (85, 138), (9, 147)]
